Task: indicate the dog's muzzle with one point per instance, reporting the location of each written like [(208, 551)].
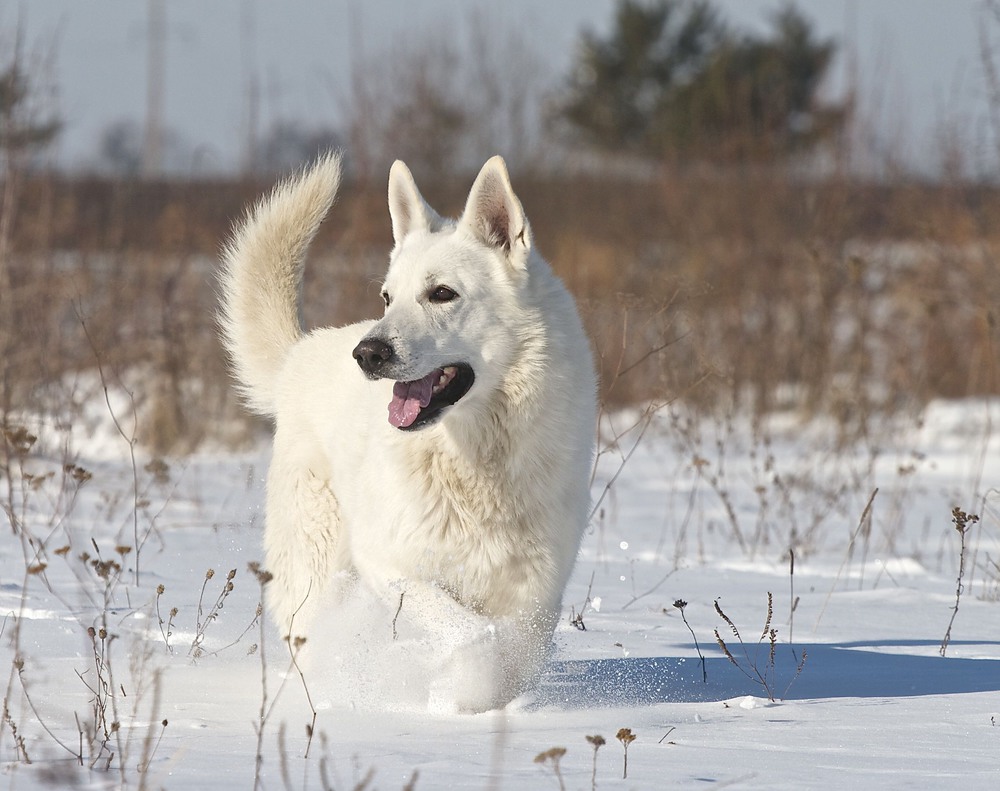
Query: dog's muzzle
[(418, 402)]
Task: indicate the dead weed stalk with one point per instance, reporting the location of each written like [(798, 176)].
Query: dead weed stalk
[(963, 522), (751, 666)]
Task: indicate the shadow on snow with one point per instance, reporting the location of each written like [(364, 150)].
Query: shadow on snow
[(839, 670)]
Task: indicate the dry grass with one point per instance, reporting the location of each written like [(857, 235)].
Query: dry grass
[(740, 289)]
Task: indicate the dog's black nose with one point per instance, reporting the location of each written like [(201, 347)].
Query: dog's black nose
[(372, 354)]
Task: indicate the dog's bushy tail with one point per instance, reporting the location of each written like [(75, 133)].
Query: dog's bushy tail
[(262, 274)]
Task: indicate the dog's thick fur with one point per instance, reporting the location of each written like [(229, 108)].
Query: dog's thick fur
[(468, 516)]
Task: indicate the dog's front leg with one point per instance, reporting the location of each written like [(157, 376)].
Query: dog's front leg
[(467, 669), (303, 543)]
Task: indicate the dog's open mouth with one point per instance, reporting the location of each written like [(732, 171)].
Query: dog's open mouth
[(419, 403)]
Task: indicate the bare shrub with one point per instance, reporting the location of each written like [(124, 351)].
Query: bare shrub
[(444, 102)]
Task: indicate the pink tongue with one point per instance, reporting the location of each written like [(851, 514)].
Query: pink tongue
[(408, 398)]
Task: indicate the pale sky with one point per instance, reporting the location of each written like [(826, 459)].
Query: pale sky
[(918, 62)]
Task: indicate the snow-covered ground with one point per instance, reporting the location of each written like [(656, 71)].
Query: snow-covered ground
[(702, 511)]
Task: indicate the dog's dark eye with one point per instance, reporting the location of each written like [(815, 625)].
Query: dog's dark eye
[(442, 294), (386, 298)]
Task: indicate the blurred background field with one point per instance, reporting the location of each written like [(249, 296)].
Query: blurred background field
[(742, 221)]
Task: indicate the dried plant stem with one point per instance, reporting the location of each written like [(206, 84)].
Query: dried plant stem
[(576, 618), (793, 602), (149, 745), (963, 523), (763, 677), (553, 756), (202, 625), (637, 596), (680, 604), (399, 609), (130, 437), (798, 671), (863, 523), (263, 577), (294, 648), (626, 737), (596, 741), (267, 703), (78, 754), (644, 422)]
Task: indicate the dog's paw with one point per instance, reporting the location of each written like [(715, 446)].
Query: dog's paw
[(471, 678)]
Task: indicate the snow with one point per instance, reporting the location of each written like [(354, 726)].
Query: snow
[(693, 509)]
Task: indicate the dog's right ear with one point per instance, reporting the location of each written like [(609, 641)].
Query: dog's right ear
[(408, 210)]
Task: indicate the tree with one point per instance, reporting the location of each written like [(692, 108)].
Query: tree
[(22, 133), (290, 145), (619, 85), (672, 79), (120, 149)]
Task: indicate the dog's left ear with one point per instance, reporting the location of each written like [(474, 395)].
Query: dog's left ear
[(407, 208), (495, 216)]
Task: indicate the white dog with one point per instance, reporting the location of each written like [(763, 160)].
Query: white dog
[(440, 455)]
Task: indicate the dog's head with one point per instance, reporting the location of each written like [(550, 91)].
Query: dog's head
[(453, 298)]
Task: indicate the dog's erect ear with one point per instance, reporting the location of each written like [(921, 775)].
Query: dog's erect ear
[(494, 214), (407, 208)]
